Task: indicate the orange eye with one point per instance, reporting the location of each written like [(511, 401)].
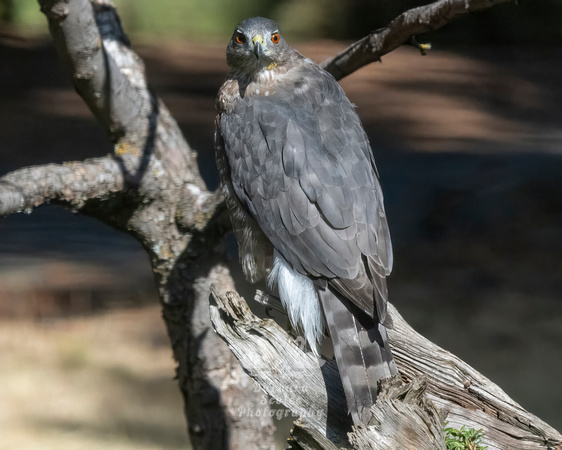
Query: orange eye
[(275, 38), (240, 38)]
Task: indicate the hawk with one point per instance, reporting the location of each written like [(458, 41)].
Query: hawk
[(305, 202)]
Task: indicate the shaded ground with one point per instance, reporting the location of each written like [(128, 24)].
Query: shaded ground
[(469, 150), (104, 381)]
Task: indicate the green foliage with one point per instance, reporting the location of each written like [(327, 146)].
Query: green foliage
[(531, 21), (25, 14), (6, 11), (193, 19), (311, 18), (209, 20), (463, 439)]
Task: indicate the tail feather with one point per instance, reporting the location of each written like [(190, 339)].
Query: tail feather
[(361, 350)]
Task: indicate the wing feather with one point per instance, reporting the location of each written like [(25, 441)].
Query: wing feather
[(303, 168)]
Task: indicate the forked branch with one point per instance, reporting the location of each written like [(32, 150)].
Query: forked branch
[(310, 387)]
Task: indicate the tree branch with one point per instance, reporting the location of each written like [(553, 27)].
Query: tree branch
[(398, 32), (280, 365), (70, 184), (95, 50)]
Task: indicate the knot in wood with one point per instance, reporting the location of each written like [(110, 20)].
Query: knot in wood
[(56, 12)]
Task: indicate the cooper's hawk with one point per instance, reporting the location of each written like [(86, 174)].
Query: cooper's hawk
[(305, 202)]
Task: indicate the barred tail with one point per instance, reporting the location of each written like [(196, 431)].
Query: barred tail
[(361, 350)]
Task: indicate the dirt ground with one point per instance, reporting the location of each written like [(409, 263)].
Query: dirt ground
[(468, 144), (103, 381)]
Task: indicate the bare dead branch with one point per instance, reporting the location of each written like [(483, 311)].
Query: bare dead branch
[(403, 417), (398, 32), (280, 365), (110, 78), (70, 184), (122, 106)]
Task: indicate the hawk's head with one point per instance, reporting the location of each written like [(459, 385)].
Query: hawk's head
[(256, 44)]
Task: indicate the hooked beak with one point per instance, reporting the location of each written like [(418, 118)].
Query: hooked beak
[(258, 45)]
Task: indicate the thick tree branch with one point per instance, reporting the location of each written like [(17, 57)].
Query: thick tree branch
[(398, 32), (70, 184), (93, 47), (110, 78), (280, 366)]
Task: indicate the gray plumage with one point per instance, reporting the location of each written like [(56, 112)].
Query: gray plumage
[(300, 180)]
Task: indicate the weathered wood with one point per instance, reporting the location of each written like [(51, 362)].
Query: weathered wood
[(471, 398), (70, 184), (402, 418), (308, 438), (288, 383), (274, 359)]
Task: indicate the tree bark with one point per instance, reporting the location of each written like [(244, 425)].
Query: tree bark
[(399, 32), (438, 384)]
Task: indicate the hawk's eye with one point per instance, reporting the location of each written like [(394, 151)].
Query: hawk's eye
[(275, 38), (240, 38)]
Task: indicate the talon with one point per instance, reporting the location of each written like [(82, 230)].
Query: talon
[(423, 48)]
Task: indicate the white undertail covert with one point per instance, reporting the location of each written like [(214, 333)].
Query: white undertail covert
[(300, 300)]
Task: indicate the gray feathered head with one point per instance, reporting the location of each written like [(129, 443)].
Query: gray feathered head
[(256, 44)]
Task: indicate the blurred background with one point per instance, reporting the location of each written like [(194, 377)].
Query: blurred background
[(468, 144)]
